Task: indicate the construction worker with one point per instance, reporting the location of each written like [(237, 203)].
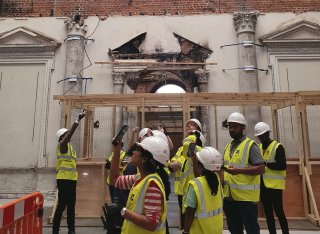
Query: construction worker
[(243, 165), (273, 180), (146, 208), (145, 132), (179, 161), (204, 199), (67, 177), (165, 132), (114, 193)]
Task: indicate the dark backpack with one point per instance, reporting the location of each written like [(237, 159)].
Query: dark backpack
[(113, 219)]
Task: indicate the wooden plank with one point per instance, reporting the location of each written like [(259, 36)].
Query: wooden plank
[(143, 120), (312, 219), (275, 126), (114, 120), (305, 136), (314, 179), (141, 62), (313, 203), (86, 134)]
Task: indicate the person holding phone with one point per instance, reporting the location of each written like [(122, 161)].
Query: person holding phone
[(203, 200), (182, 165), (114, 193), (67, 177), (146, 208), (243, 166)]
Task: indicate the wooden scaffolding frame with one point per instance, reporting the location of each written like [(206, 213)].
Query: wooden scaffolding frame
[(147, 102)]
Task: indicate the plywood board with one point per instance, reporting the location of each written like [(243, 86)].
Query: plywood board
[(293, 196), (91, 189), (315, 178)]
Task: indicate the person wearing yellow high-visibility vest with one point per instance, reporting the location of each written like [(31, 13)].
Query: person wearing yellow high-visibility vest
[(204, 198), (113, 192), (182, 165), (243, 165), (146, 208), (67, 177), (274, 179)]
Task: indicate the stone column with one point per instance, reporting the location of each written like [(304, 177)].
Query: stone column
[(245, 24), (203, 76), (75, 53), (118, 85), (75, 43)]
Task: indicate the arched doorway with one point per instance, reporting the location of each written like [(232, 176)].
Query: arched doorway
[(146, 72)]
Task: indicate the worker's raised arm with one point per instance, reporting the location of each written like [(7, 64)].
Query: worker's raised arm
[(132, 139), (114, 168), (66, 139)]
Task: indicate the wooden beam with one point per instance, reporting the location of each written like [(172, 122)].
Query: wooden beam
[(313, 202), (135, 62)]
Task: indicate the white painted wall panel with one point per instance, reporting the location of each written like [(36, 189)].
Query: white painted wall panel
[(21, 104)]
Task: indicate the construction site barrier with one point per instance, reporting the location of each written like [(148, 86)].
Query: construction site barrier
[(22, 216)]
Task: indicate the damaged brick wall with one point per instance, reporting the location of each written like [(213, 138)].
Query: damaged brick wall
[(45, 8)]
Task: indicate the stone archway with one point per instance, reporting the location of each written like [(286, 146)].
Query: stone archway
[(145, 72)]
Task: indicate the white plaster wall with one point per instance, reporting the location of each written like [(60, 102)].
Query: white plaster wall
[(212, 31)]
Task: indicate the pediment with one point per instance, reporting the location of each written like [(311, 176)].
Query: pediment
[(23, 39), (300, 33), (132, 46), (196, 52), (189, 51)]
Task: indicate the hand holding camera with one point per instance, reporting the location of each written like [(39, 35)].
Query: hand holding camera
[(119, 136), (81, 115), (191, 149)]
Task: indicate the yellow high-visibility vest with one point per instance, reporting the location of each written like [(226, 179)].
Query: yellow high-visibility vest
[(209, 212), (187, 174), (66, 164), (135, 203), (178, 173), (275, 179), (122, 154), (241, 187)]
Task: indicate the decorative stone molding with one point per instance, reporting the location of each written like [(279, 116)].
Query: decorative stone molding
[(296, 38), (24, 42), (245, 21), (202, 76), (118, 78)]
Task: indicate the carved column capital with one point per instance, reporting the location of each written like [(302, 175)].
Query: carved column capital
[(245, 21), (75, 27), (202, 76), (118, 78)]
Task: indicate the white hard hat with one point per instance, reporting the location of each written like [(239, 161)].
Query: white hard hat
[(160, 134), (237, 117), (210, 158), (157, 147), (197, 122), (60, 132), (261, 128), (143, 132)]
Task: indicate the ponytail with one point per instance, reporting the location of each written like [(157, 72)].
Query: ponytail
[(212, 180), (153, 166), (165, 179)]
